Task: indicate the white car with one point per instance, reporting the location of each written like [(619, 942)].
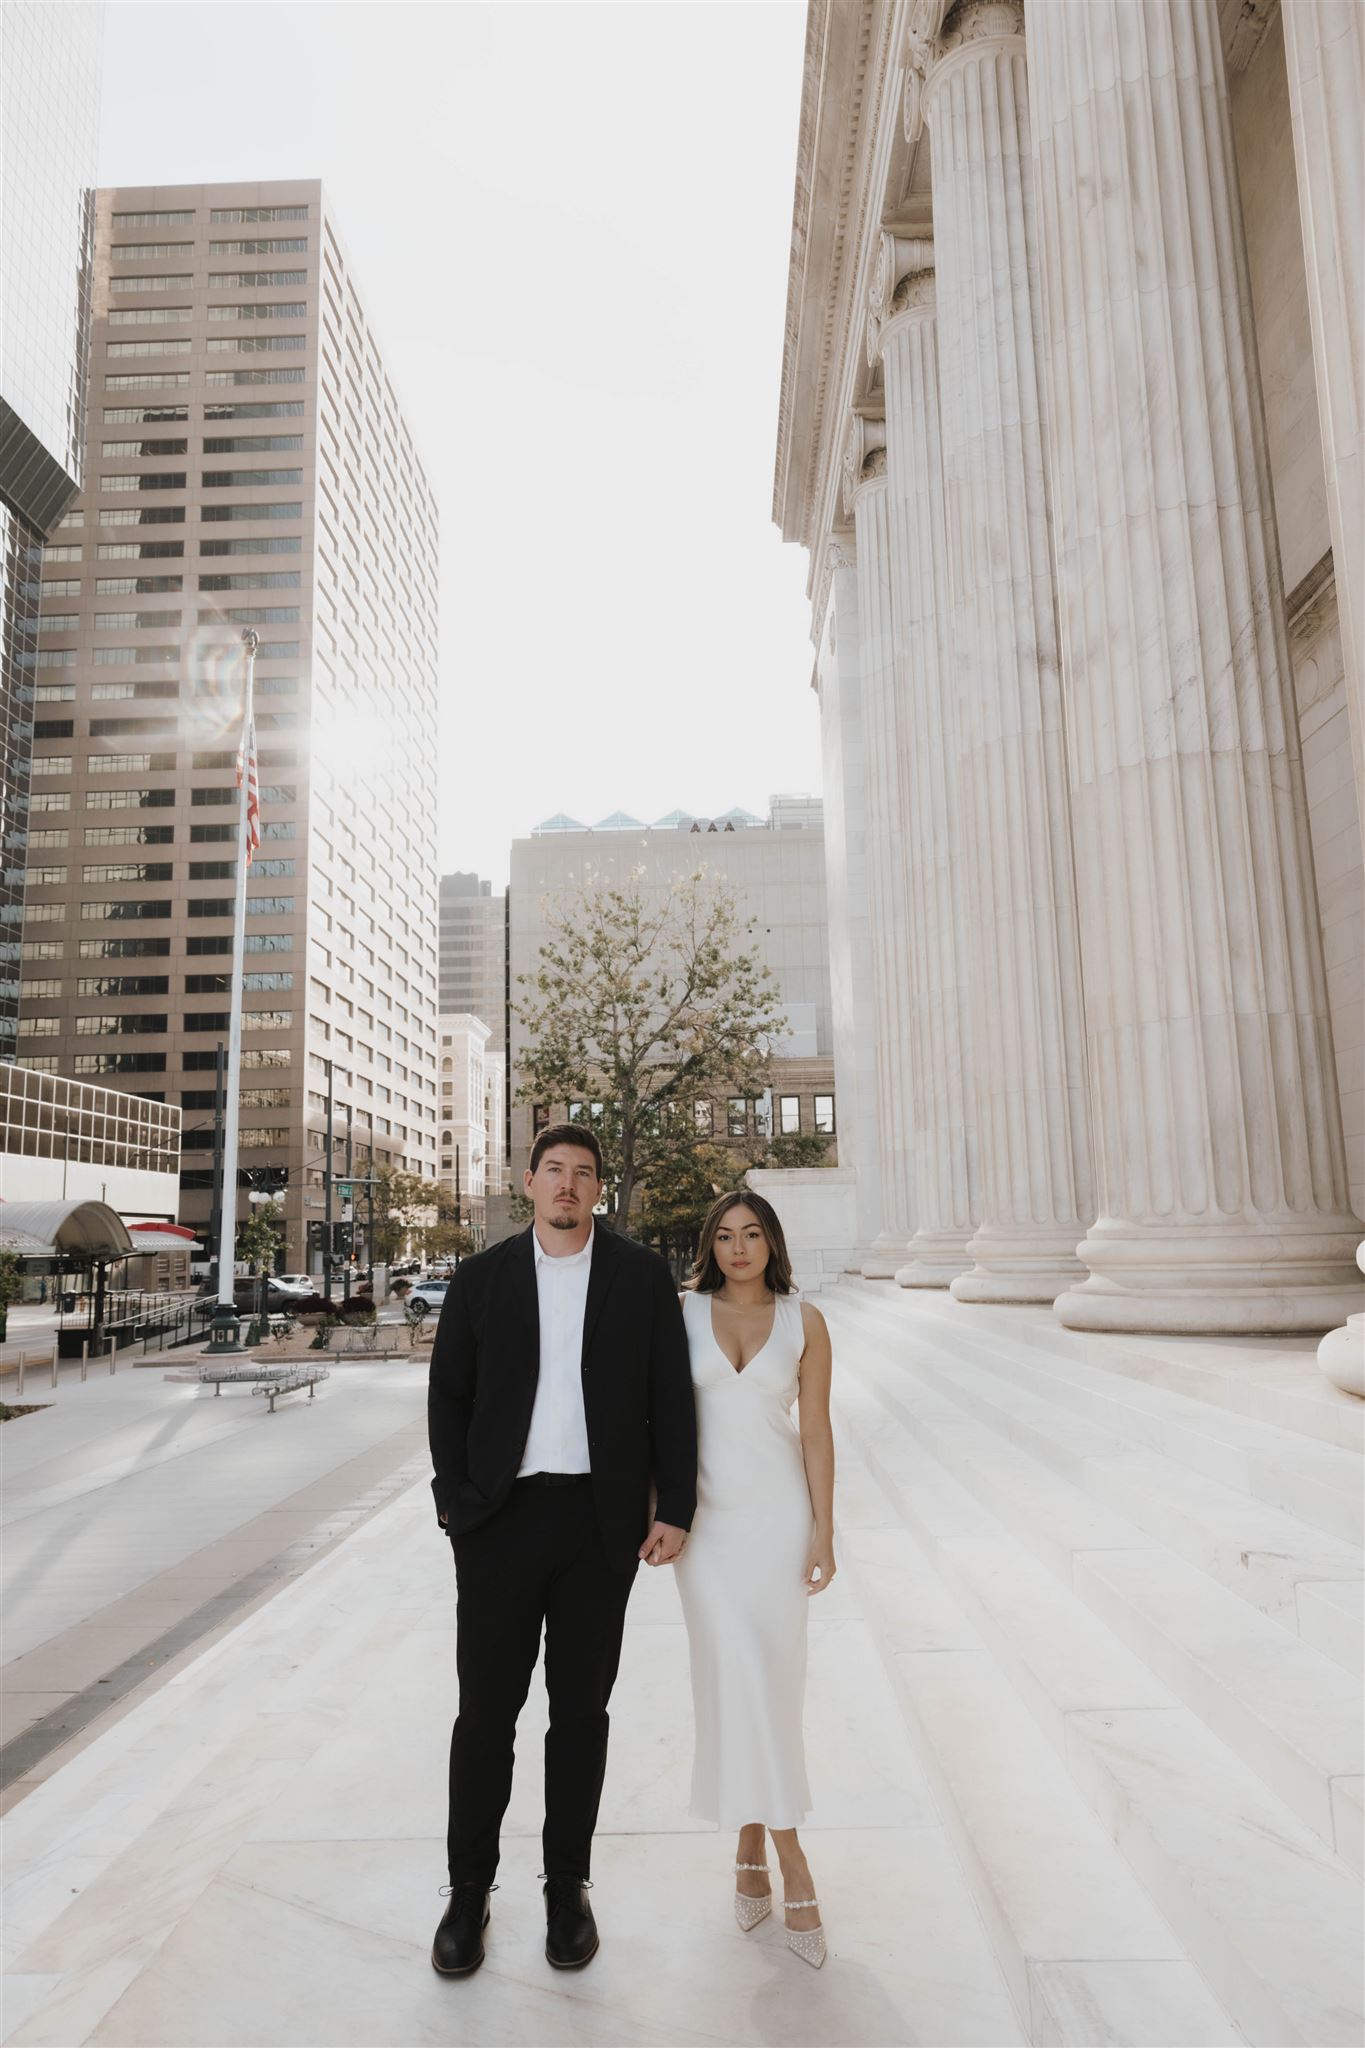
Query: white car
[(432, 1292), (304, 1282)]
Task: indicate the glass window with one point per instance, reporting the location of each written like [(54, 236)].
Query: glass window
[(261, 310), (232, 216), (704, 1119), (824, 1114), (182, 219), (255, 245), (285, 510), (789, 1107), (737, 1118), (246, 345), (247, 479)]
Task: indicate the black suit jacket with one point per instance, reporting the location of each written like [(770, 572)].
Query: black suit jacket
[(637, 1388)]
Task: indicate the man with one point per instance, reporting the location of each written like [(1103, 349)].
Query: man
[(560, 1387)]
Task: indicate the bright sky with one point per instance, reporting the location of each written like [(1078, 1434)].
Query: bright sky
[(570, 224)]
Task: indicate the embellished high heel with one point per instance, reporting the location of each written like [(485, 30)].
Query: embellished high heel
[(806, 1942), (749, 1911)]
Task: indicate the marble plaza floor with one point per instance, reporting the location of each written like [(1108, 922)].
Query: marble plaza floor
[(252, 1853), (1083, 1723)]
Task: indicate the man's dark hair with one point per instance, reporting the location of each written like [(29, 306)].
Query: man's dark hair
[(566, 1134)]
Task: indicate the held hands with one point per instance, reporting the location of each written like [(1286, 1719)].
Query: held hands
[(663, 1544), (820, 1565)]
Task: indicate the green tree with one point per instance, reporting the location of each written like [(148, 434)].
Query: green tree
[(640, 1007), (260, 1237), (404, 1206)]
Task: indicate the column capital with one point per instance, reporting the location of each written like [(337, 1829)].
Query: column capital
[(903, 277), (937, 29), (864, 457)]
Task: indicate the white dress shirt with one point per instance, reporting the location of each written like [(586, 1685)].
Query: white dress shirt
[(558, 1437)]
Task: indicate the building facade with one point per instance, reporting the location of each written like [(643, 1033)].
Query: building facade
[(463, 1128), (473, 952), (248, 464), (68, 1141), (50, 59), (776, 871), (1070, 426)]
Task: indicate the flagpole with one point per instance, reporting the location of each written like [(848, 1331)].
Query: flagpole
[(226, 1328)]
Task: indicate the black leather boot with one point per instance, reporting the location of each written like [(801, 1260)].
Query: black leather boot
[(571, 1937), (458, 1947)]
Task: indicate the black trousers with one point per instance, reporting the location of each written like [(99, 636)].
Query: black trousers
[(538, 1562)]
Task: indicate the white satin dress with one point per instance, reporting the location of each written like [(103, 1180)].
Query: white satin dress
[(741, 1577)]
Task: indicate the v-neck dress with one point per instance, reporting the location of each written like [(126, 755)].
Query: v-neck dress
[(740, 1576)]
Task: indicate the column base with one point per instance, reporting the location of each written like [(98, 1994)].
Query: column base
[(884, 1259), (1007, 1267), (936, 1259), (1192, 1280), (1341, 1356)]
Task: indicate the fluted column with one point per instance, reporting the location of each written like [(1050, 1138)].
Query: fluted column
[(1219, 1149), (902, 328), (1324, 43), (866, 498), (1014, 831), (851, 931)]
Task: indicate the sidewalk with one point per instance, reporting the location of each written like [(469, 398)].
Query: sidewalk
[(253, 1853)]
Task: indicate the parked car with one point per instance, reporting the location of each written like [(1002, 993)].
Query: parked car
[(432, 1292), (305, 1282), (282, 1292)]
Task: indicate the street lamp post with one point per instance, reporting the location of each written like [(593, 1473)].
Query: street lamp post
[(225, 1329)]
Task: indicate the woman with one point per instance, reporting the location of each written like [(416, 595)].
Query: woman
[(761, 1544)]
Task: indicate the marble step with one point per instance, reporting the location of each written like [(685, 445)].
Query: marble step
[(1086, 1955), (1256, 1551), (1267, 1915), (1274, 1380), (1133, 1627), (1320, 1483)]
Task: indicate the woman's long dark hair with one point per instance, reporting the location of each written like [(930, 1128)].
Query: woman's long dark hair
[(706, 1274)]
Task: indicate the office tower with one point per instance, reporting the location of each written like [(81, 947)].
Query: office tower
[(49, 137), (248, 466), (775, 869), (474, 952)]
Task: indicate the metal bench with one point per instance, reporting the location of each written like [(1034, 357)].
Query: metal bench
[(270, 1380), (292, 1381), (366, 1340)]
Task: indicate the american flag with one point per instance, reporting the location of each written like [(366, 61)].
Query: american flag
[(247, 771)]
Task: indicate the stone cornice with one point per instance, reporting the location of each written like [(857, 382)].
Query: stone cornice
[(842, 163)]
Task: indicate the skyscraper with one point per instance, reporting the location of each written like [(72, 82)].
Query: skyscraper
[(248, 465), (474, 952), (49, 138)]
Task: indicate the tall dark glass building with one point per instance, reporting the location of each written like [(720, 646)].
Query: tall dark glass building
[(50, 61)]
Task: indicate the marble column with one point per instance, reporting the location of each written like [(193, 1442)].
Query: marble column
[(1324, 43), (1218, 1137), (902, 329), (866, 498), (1014, 834), (851, 935)]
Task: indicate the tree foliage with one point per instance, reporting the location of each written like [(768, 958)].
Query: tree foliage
[(260, 1237), (643, 1004), (404, 1207)]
